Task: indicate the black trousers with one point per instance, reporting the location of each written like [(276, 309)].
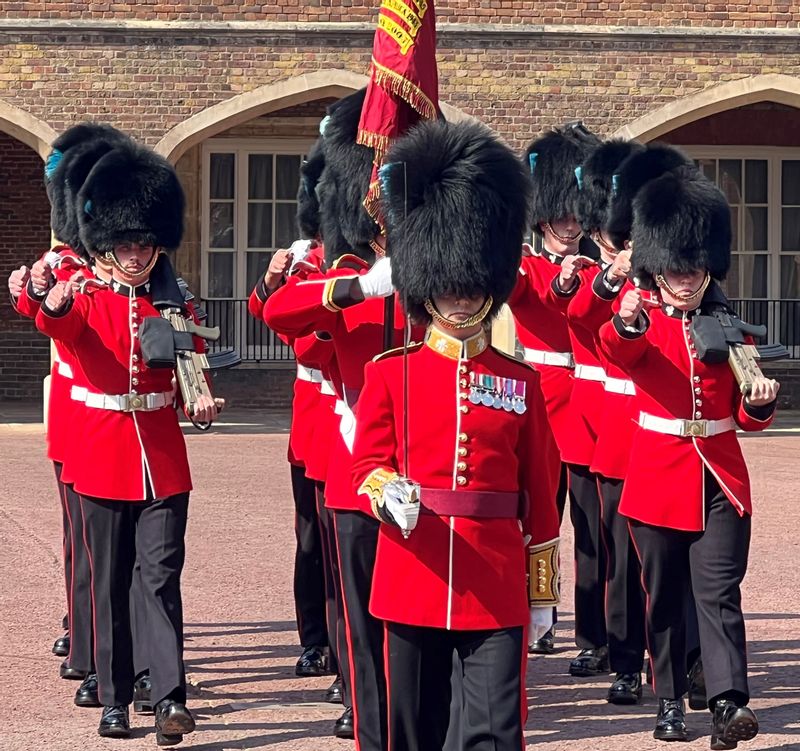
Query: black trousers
[(120, 534), (419, 666), (590, 559), (712, 564), (624, 593), (357, 539), (66, 535), (139, 632), (309, 571), (561, 504)]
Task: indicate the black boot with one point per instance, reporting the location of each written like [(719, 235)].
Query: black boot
[(626, 689), (334, 693), (671, 721), (544, 645), (114, 723), (697, 686), (86, 695), (71, 674), (142, 703), (173, 721), (344, 726), (61, 645), (732, 724), (312, 663), (590, 662)]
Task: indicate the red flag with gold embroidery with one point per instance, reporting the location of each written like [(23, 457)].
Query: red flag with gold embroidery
[(404, 81)]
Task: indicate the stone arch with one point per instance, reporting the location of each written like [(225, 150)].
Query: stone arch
[(268, 98), (26, 128), (770, 87)]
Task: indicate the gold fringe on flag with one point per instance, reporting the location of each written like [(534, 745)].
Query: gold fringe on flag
[(394, 83), (372, 204), (377, 141)]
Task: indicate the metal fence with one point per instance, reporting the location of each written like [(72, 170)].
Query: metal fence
[(256, 343)]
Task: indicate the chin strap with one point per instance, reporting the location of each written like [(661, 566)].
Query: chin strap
[(110, 257), (473, 320), (692, 296), (565, 239)]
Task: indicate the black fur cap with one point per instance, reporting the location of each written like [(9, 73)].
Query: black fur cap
[(130, 195), (345, 180), (638, 169), (456, 203), (595, 181), (307, 200), (680, 223), (552, 159)]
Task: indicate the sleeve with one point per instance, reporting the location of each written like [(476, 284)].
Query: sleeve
[(625, 345), (752, 419), (257, 300), (540, 465), (28, 303), (313, 351), (592, 304), (67, 324), (375, 460)]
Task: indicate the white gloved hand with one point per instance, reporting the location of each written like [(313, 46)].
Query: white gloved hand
[(540, 623), (401, 500), (299, 252), (377, 282)]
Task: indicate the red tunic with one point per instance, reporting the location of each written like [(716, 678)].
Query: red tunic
[(664, 484), (457, 572), (121, 452)]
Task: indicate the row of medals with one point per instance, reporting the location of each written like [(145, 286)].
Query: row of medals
[(497, 392)]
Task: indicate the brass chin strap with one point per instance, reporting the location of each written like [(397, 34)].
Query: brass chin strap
[(692, 296), (607, 247), (111, 259), (566, 240), (473, 320)]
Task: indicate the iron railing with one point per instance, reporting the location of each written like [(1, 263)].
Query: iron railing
[(256, 343)]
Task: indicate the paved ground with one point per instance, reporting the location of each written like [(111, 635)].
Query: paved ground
[(241, 642)]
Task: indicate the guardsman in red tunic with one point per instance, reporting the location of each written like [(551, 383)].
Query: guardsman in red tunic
[(454, 452), (539, 306), (687, 492), (134, 478)]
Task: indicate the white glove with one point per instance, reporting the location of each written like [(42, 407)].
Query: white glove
[(377, 282), (299, 250), (541, 622), (401, 500)]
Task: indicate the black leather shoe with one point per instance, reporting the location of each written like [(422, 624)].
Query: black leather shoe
[(626, 689), (312, 663), (142, 703), (334, 693), (545, 645), (344, 727), (732, 724), (173, 721), (671, 721), (590, 662), (61, 645), (697, 686), (114, 723), (86, 695), (70, 674)]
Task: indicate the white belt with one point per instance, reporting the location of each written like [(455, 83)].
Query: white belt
[(64, 369), (347, 426), (312, 375), (590, 373), (543, 357), (122, 402), (326, 387), (620, 386), (686, 428)]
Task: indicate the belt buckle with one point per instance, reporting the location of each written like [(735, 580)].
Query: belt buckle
[(695, 428), (135, 402)]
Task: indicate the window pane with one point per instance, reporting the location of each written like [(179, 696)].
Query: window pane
[(790, 182), (220, 274), (731, 284), (287, 169), (755, 189), (285, 219), (221, 225), (259, 225), (708, 167), (223, 173), (256, 268), (735, 229), (753, 275), (755, 229), (259, 176), (790, 229), (790, 278), (730, 179)]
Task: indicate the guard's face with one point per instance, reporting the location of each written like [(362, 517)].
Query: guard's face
[(134, 258), (682, 286), (458, 308), (562, 236)]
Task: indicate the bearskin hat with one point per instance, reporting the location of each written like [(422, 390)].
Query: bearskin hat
[(552, 159), (347, 172), (307, 200), (681, 222), (639, 168), (596, 184), (456, 204), (131, 194)]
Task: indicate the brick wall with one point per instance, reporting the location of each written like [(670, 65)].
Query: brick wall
[(633, 13), (259, 388), (25, 223)]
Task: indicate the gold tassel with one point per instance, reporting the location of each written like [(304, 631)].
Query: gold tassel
[(396, 84)]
